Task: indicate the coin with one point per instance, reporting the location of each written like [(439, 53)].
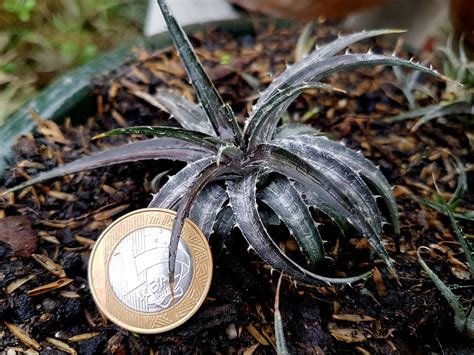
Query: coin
[(129, 278)]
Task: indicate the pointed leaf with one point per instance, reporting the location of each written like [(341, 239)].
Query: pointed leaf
[(199, 183), (328, 50), (285, 201), (224, 224), (160, 148), (242, 197), (206, 207), (263, 120), (281, 347), (360, 165), (459, 314), (334, 172), (170, 194), (261, 131), (197, 138), (220, 114), (291, 165), (454, 108), (189, 115), (322, 201), (294, 129)]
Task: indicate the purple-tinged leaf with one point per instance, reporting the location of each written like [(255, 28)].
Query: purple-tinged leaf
[(194, 137), (338, 175), (289, 164), (175, 188), (261, 132), (285, 201), (188, 114), (220, 114), (362, 166), (152, 149), (224, 224), (322, 201), (264, 119), (294, 129), (205, 176), (328, 50), (243, 200), (206, 207)]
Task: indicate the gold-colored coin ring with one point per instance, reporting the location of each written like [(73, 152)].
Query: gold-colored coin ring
[(180, 311)]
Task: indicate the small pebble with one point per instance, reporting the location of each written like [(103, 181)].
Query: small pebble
[(231, 331)]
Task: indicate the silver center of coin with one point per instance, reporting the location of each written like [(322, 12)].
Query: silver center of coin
[(138, 270)]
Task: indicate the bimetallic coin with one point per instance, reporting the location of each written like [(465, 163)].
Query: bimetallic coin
[(129, 278)]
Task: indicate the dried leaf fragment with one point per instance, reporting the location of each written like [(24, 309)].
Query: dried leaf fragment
[(101, 216), (251, 349), (256, 334), (353, 318), (83, 336), (49, 287), (49, 265), (379, 284), (59, 195), (18, 283), (349, 335), (61, 345), (23, 336)]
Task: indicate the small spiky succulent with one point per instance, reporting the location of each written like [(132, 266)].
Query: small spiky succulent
[(458, 97), (287, 168)]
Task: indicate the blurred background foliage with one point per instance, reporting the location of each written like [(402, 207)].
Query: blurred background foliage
[(41, 39)]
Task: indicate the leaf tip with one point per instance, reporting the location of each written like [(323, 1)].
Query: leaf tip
[(99, 136)]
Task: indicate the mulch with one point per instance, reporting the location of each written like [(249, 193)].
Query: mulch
[(44, 293)]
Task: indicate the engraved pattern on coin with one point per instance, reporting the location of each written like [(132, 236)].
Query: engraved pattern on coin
[(138, 270)]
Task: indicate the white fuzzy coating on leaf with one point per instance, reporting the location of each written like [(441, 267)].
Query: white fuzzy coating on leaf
[(362, 166), (178, 184), (207, 206), (285, 201), (242, 194)]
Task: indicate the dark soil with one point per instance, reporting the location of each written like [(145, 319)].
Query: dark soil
[(237, 317)]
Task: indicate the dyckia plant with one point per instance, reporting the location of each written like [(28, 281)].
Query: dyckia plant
[(286, 168)]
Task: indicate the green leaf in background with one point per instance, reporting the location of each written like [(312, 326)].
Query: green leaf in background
[(20, 8)]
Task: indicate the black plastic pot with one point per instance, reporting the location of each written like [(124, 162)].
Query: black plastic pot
[(70, 94)]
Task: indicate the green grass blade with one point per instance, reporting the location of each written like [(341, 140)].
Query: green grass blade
[(281, 347), (459, 314)]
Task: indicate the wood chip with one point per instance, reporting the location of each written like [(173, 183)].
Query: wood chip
[(251, 349), (256, 334), (377, 276), (83, 240), (84, 336), (18, 283), (49, 129), (101, 216), (61, 345), (23, 336), (49, 287), (49, 265), (353, 318), (18, 233), (349, 335), (362, 351), (70, 294), (59, 195)]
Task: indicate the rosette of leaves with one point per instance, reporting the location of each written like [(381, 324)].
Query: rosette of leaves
[(286, 168), (458, 100)]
